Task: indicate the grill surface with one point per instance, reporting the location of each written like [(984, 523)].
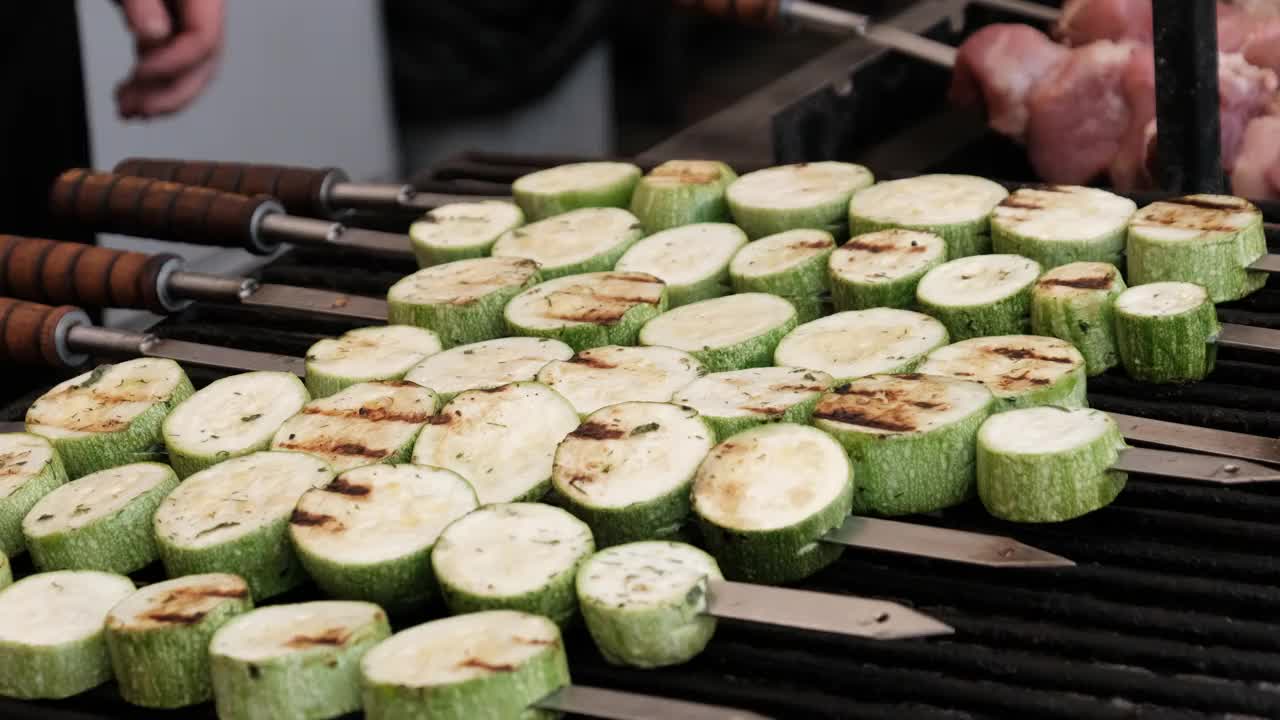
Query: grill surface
[(1173, 611)]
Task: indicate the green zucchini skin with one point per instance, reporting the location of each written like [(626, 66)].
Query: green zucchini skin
[(377, 353), (482, 223), (966, 202), (1209, 240), (682, 192), (555, 243), (18, 452), (461, 313), (1076, 303), (1174, 348), (817, 197), (1051, 486), (736, 351), (1061, 224), (791, 265), (576, 189), (1010, 314), (605, 308), (917, 252), (909, 454), (160, 655)]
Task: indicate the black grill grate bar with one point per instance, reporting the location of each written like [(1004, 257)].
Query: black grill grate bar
[(1233, 419)]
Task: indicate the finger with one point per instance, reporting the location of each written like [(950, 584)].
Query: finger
[(199, 37), (148, 20), (139, 98)]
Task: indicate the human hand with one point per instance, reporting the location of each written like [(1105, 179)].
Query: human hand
[(178, 45)]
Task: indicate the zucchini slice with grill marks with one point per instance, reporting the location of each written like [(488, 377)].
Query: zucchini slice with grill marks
[(980, 296), (882, 268), (608, 375), (727, 333), (29, 470), (791, 265), (364, 424), (462, 301), (1076, 302), (682, 192), (564, 188), (101, 521), (368, 534), (500, 440), (111, 415), (1060, 224), (628, 468), (912, 439), (158, 637), (367, 355), (512, 556), (693, 260), (1020, 370), (234, 518), (579, 241), (805, 195), (459, 231), (1048, 464), (590, 310), (486, 364), (737, 400), (955, 207), (1167, 332), (857, 343)]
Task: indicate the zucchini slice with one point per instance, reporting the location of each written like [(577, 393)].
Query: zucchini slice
[(1048, 464), (486, 364), (491, 664), (463, 230), (1167, 332), (1209, 240), (101, 521), (294, 662), (586, 311), (955, 207), (912, 439), (461, 301), (364, 424), (579, 241), (645, 603), (111, 415), (805, 195), (980, 296), (765, 498), (626, 471), (367, 355), (791, 265), (738, 400), (234, 518), (158, 637), (1060, 224), (858, 343), (882, 268), (500, 440), (1076, 302), (51, 633), (682, 192), (29, 470), (564, 188), (1020, 370), (512, 556), (608, 375), (727, 333), (229, 418), (693, 260), (368, 534)]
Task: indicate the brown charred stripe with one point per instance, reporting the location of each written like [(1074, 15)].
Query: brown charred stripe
[(591, 361), (597, 431), (330, 637), (304, 518), (372, 414), (343, 486), (1088, 282), (330, 446), (177, 607), (1016, 353)]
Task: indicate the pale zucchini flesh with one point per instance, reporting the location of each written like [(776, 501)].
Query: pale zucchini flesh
[(101, 521), (737, 400), (367, 355), (956, 207), (500, 440), (463, 230), (565, 188), (1048, 464), (29, 470), (1020, 370), (461, 301), (1060, 224), (579, 241), (857, 343), (230, 418), (1166, 332), (486, 364), (791, 265), (368, 534), (513, 556), (682, 192), (158, 637), (364, 424), (294, 662), (626, 471), (1076, 303), (765, 498), (911, 438), (980, 296), (804, 195), (596, 378), (234, 518), (589, 310), (487, 664), (645, 603), (51, 633), (111, 415), (882, 268), (693, 260), (727, 333)]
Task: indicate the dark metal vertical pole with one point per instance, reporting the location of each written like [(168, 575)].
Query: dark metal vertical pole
[(1186, 60)]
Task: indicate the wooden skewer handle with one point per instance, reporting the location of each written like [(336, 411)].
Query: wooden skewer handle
[(64, 273), (302, 191), (35, 334)]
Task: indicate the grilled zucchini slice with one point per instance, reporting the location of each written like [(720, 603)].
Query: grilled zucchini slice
[(459, 231), (595, 378), (564, 188), (858, 343), (1167, 332), (693, 260), (805, 195), (579, 241), (367, 355), (682, 192), (955, 207), (728, 333)]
